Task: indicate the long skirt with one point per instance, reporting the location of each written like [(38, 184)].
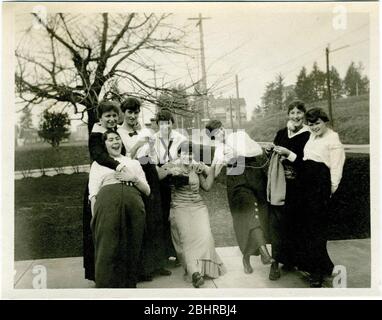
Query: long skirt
[(165, 191), (117, 226), (247, 201), (313, 256), (193, 241), (285, 224), (154, 242)]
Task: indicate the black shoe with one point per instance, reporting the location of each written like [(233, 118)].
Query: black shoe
[(316, 281), (197, 279), (164, 272), (274, 273)]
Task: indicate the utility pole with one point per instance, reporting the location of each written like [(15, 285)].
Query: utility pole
[(203, 64), (230, 111), (328, 85), (238, 100)]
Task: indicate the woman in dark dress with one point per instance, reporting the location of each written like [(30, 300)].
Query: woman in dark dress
[(118, 220), (284, 219), (321, 173), (108, 114), (246, 185), (153, 257)]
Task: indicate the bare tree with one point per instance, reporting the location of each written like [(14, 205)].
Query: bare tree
[(76, 59)]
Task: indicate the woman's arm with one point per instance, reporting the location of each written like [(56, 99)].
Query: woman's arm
[(140, 181), (207, 182), (337, 161), (99, 153)]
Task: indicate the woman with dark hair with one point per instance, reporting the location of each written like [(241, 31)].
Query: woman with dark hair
[(321, 173), (108, 114), (190, 226), (118, 217), (246, 185), (153, 258), (284, 217), (165, 146)]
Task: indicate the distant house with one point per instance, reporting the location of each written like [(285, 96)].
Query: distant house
[(220, 109), (81, 133)]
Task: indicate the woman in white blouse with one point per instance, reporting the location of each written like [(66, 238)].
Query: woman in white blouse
[(118, 217), (324, 158)]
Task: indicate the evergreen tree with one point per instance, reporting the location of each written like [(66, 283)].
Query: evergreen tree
[(303, 89), (54, 127), (318, 80), (354, 82)]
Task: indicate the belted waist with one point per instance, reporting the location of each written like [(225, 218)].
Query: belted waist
[(111, 180)]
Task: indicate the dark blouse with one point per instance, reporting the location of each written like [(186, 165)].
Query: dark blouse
[(295, 144)]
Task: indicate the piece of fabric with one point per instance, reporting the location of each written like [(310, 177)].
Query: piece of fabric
[(276, 185)]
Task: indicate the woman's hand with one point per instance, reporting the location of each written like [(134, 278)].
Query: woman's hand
[(199, 167), (127, 177), (282, 151), (269, 147)]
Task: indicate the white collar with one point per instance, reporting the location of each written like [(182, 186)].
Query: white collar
[(97, 128), (302, 130)]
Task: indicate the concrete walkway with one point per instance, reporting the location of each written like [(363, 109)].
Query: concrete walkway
[(68, 272)]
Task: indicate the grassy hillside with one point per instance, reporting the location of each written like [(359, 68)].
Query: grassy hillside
[(351, 121)]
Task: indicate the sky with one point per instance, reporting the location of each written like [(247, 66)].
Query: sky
[(257, 44)]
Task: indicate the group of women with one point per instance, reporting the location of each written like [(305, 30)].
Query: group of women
[(143, 201)]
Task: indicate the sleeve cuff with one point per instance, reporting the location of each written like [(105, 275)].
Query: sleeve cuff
[(292, 156)]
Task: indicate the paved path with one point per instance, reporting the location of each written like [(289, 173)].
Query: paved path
[(68, 272)]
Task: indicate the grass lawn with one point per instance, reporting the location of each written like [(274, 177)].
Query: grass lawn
[(48, 216), (48, 212)]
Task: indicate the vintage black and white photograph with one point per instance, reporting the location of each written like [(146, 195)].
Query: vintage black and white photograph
[(202, 147)]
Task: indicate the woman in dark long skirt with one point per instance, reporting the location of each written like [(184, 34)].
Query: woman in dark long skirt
[(324, 158), (246, 185), (108, 114), (136, 143), (118, 218), (284, 219)]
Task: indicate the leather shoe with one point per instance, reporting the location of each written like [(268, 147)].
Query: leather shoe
[(197, 279), (164, 272), (274, 273)]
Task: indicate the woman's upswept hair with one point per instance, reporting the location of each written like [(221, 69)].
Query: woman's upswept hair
[(165, 115), (297, 104), (312, 115), (212, 126), (186, 146), (132, 104), (107, 132), (107, 106)]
